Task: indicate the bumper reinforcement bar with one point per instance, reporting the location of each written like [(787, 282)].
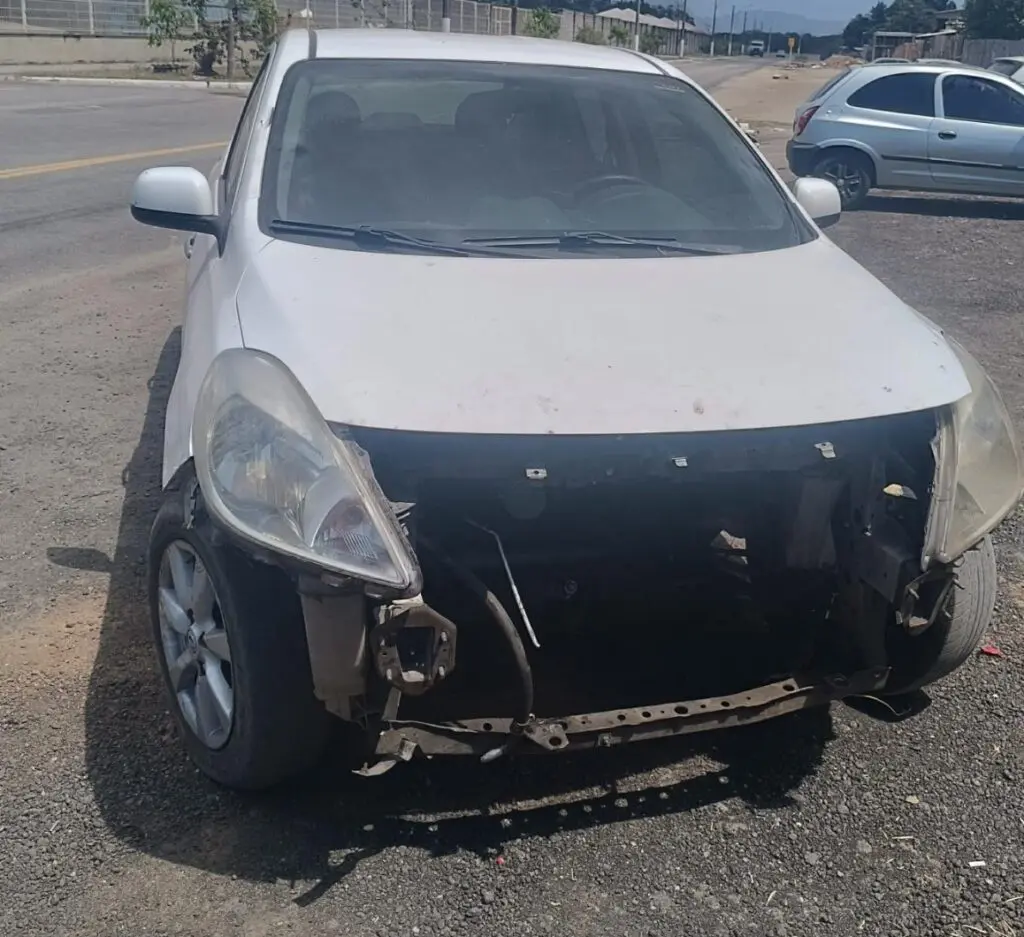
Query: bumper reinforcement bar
[(399, 739)]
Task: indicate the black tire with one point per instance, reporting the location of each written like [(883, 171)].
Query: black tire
[(852, 173), (278, 728), (936, 653)]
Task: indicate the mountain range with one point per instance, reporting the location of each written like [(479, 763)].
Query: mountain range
[(828, 18)]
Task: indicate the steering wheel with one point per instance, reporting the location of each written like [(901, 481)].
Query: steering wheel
[(599, 183)]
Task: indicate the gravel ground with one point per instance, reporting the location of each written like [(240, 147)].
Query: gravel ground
[(831, 822)]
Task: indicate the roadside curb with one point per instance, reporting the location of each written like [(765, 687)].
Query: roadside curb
[(209, 86)]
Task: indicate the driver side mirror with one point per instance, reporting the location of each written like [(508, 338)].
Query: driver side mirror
[(820, 199), (177, 198)]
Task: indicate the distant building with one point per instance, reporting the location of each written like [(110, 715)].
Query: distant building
[(656, 22), (884, 44), (696, 39), (950, 19)]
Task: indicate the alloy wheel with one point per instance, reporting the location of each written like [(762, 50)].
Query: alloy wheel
[(195, 644), (847, 179)]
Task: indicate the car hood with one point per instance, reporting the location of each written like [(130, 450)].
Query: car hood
[(593, 345)]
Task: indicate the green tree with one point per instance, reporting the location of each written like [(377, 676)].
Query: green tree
[(649, 43), (879, 13), (858, 31), (543, 24), (619, 34), (167, 21), (994, 19), (590, 36), (249, 26), (910, 16)]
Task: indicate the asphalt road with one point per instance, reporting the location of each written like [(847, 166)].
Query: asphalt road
[(62, 208), (831, 823)]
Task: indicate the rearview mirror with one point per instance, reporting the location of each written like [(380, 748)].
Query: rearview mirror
[(820, 199), (175, 197)]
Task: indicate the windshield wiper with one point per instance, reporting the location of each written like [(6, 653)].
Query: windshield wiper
[(369, 237), (573, 240)]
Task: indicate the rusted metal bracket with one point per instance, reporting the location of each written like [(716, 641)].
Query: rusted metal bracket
[(413, 646), (618, 726)]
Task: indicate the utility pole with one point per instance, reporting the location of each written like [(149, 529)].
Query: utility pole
[(636, 35), (732, 23), (743, 44), (230, 51), (446, 16), (682, 45), (768, 44), (714, 24), (514, 19)]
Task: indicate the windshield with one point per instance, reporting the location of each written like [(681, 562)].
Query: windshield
[(457, 153)]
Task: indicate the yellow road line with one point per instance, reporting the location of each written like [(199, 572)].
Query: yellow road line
[(21, 172)]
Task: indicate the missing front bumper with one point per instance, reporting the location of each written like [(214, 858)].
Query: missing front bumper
[(400, 740)]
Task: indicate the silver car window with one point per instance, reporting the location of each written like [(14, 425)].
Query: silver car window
[(967, 97), (908, 93)]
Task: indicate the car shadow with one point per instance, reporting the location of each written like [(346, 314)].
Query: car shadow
[(963, 206), (152, 799)]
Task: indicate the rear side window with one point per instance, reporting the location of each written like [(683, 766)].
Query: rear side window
[(898, 94)]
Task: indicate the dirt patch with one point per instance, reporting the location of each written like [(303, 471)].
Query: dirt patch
[(768, 97), (61, 642)]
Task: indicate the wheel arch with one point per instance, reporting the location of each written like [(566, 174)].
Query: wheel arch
[(855, 146)]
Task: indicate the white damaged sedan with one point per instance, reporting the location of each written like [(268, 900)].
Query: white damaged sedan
[(499, 427)]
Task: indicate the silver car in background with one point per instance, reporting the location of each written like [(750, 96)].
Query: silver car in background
[(919, 127), (1012, 66)]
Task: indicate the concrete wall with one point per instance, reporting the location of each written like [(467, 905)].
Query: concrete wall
[(66, 50)]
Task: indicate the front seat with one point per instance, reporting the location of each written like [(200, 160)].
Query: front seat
[(322, 172)]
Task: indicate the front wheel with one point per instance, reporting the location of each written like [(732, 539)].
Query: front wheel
[(918, 660), (231, 643), (850, 172)]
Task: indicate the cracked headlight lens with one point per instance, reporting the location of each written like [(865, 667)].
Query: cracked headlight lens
[(981, 476)]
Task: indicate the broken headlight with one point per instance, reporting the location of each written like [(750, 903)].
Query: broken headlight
[(980, 476), (271, 470)]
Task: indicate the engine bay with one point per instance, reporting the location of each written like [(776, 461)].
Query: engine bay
[(642, 569)]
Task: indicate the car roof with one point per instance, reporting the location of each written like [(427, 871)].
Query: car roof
[(463, 47), (922, 66), (1019, 59)]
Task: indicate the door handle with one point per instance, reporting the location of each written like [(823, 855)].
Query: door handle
[(947, 134), (190, 244)]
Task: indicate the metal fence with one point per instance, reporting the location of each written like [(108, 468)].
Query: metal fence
[(467, 16), (81, 17), (125, 17)]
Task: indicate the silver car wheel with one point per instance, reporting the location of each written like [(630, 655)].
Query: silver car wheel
[(195, 645)]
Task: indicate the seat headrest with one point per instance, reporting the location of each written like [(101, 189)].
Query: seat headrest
[(333, 106), (485, 111)]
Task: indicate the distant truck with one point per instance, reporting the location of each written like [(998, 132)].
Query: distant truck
[(756, 48)]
